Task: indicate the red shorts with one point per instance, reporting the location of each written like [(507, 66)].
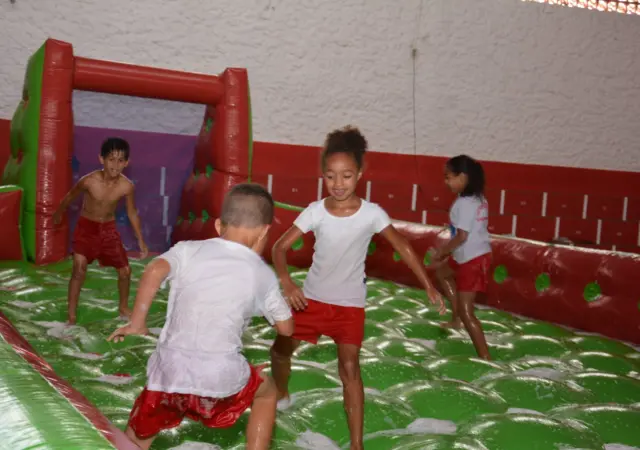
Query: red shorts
[(343, 324), (472, 276), (155, 411), (101, 241)]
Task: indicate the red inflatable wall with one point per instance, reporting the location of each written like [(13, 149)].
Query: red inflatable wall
[(11, 213)]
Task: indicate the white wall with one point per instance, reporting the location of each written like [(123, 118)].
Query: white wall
[(500, 79)]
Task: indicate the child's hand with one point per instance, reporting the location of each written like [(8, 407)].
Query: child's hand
[(294, 296), (144, 251), (436, 298), (127, 330)]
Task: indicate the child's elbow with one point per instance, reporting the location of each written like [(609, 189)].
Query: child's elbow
[(285, 328)]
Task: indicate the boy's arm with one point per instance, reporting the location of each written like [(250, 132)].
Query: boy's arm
[(275, 309), (132, 213), (76, 190), (408, 255), (153, 276)]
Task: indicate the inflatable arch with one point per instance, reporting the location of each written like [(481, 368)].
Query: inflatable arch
[(42, 132)]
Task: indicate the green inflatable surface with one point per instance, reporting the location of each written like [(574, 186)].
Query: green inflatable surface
[(548, 388)]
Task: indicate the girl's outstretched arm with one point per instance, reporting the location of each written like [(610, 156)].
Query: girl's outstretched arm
[(404, 248), (294, 295)]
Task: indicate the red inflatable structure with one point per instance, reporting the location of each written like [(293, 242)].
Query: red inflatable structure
[(588, 289)]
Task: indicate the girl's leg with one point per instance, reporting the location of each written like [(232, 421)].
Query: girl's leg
[(353, 391), (446, 277), (472, 324), (281, 352)]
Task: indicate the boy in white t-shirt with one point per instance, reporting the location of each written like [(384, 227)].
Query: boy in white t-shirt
[(217, 286), (470, 245), (333, 298)]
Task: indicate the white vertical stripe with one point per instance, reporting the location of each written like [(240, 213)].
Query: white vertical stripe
[(613, 248), (424, 217), (269, 183), (503, 194), (514, 225), (585, 205), (165, 210), (163, 179), (545, 196), (320, 188), (169, 229), (599, 233), (414, 197), (368, 198), (556, 233), (625, 207)]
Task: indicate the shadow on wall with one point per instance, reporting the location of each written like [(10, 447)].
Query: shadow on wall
[(159, 166)]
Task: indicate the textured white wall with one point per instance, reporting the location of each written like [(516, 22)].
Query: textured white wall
[(499, 79)]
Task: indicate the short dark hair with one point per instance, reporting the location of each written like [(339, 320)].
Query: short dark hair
[(247, 205), (115, 144), (474, 172), (347, 140)]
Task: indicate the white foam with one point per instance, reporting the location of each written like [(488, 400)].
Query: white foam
[(432, 426), (430, 344), (89, 356), (23, 304), (102, 301), (155, 330), (115, 379), (524, 411), (310, 440), (286, 403), (619, 447), (196, 446), (543, 372)]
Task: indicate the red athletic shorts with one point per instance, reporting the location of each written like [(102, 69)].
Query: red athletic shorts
[(343, 324), (155, 411), (472, 276), (101, 241)]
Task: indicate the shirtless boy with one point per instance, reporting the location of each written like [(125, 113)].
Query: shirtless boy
[(96, 236)]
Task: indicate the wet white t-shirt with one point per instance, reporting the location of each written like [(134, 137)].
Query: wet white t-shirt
[(337, 273), (471, 214), (217, 286)]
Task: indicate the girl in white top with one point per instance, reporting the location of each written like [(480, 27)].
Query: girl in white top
[(470, 247), (333, 298)]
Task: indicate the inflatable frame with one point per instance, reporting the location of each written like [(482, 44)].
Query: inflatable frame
[(42, 128)]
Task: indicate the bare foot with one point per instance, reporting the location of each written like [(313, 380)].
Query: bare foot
[(455, 324), (125, 313)]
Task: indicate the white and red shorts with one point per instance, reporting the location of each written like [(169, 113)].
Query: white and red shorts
[(472, 276), (154, 411)]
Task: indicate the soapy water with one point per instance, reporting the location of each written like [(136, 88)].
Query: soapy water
[(548, 387)]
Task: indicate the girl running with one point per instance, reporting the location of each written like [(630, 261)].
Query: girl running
[(332, 300), (470, 246)]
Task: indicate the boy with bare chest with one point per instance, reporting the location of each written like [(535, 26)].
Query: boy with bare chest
[(96, 236)]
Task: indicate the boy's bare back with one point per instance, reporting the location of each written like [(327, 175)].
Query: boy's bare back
[(101, 196)]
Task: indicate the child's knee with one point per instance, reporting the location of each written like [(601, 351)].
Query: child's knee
[(282, 348), (79, 270), (349, 370), (124, 273)]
